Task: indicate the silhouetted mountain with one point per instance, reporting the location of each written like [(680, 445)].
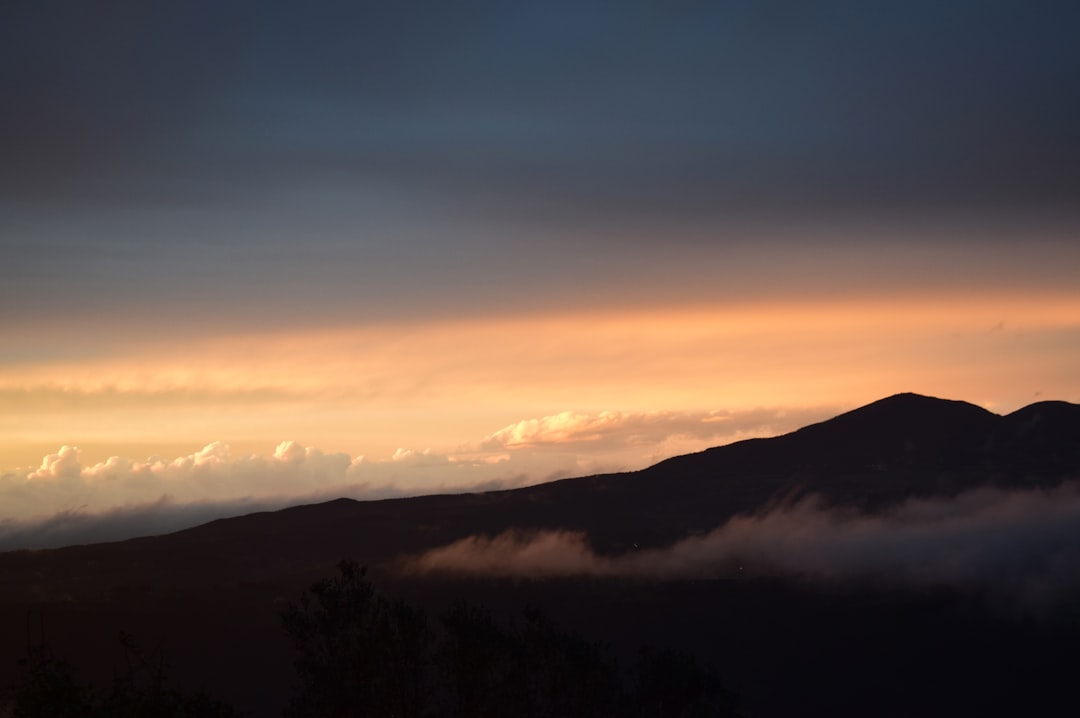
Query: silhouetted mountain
[(1042, 439), (891, 450), (875, 456), (213, 593)]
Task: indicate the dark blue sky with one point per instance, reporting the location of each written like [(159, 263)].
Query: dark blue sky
[(575, 105), (315, 147)]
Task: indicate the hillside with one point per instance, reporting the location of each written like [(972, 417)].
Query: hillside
[(893, 449), (219, 587)]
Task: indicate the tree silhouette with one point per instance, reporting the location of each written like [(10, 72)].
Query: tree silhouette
[(568, 675), (48, 689), (358, 654), (673, 684), (479, 664), (143, 691)]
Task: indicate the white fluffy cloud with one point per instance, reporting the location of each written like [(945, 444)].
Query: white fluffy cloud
[(611, 429), (67, 500), (65, 490), (63, 464), (619, 440)]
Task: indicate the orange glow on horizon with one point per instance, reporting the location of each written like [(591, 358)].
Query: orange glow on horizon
[(449, 382)]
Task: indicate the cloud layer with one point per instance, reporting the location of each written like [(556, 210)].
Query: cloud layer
[(616, 429), (1021, 544), (66, 499)]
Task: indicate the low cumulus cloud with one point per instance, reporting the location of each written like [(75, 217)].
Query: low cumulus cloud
[(620, 440), (1023, 544), (67, 500), (64, 500), (619, 428), (64, 481)]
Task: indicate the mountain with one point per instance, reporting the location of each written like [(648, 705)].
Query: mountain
[(900, 447), (214, 593), (894, 449)]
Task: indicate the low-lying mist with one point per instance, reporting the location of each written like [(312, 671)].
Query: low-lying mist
[(1021, 544)]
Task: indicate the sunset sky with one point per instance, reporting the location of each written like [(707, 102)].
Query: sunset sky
[(269, 249)]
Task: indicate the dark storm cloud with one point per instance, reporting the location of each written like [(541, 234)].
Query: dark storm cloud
[(546, 107)]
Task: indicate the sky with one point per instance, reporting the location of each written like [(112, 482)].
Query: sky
[(256, 251)]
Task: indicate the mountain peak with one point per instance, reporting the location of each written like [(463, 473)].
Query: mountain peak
[(905, 425), (908, 410), (911, 401)]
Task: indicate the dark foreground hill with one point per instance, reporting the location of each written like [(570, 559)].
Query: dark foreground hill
[(211, 595)]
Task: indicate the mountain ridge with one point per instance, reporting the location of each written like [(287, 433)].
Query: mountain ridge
[(900, 447), (214, 593)]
